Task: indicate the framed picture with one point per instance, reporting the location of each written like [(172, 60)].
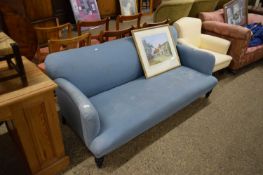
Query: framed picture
[(128, 7), (146, 7), (156, 50), (85, 10), (236, 12)]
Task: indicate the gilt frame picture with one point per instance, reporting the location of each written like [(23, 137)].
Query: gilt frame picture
[(236, 12), (128, 7), (85, 10), (156, 49)]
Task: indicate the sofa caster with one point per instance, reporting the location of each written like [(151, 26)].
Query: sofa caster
[(99, 161), (208, 94)]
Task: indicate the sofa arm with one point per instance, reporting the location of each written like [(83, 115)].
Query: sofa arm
[(215, 44), (201, 61), (78, 110), (228, 30)]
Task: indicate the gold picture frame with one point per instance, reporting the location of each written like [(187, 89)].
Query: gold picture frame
[(156, 49)]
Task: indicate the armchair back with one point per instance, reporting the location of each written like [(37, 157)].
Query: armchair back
[(213, 16), (185, 26)]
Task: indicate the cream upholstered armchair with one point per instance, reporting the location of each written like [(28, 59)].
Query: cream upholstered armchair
[(189, 30), (172, 9)]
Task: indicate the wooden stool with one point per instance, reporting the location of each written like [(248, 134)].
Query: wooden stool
[(8, 50)]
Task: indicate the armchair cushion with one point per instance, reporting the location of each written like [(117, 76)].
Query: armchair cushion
[(221, 60)]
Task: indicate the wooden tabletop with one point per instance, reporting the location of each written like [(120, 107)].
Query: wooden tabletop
[(12, 90), (5, 47)]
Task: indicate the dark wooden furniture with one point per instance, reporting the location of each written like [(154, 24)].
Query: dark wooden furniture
[(82, 24), (167, 21), (121, 18), (46, 33), (17, 26), (32, 120), (9, 50), (117, 34), (57, 45), (108, 8)]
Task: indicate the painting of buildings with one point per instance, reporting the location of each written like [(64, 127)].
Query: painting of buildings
[(157, 48)]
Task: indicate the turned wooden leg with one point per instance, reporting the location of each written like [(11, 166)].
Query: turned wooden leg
[(208, 94), (99, 161)]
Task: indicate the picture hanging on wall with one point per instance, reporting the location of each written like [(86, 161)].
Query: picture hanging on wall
[(156, 50), (128, 7), (236, 12), (85, 10)]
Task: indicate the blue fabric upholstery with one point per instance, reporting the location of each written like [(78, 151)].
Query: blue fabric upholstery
[(96, 68), (202, 61), (106, 99), (128, 110), (78, 110)]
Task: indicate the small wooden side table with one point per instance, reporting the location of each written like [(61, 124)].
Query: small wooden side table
[(32, 119)]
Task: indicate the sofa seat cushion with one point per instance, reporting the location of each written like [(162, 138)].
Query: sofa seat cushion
[(130, 109), (221, 60)]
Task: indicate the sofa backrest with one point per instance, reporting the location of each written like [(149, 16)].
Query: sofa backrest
[(190, 29), (97, 68)]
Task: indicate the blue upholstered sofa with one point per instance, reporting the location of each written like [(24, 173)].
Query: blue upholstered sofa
[(105, 98)]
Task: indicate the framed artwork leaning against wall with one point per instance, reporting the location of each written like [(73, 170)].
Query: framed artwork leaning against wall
[(85, 10), (236, 12), (156, 49), (128, 7)]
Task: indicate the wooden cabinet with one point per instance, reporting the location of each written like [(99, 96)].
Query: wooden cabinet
[(38, 9), (108, 8), (33, 121)]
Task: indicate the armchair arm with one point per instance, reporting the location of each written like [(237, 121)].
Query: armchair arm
[(237, 35), (228, 30), (201, 61), (78, 110), (213, 43), (185, 42)]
